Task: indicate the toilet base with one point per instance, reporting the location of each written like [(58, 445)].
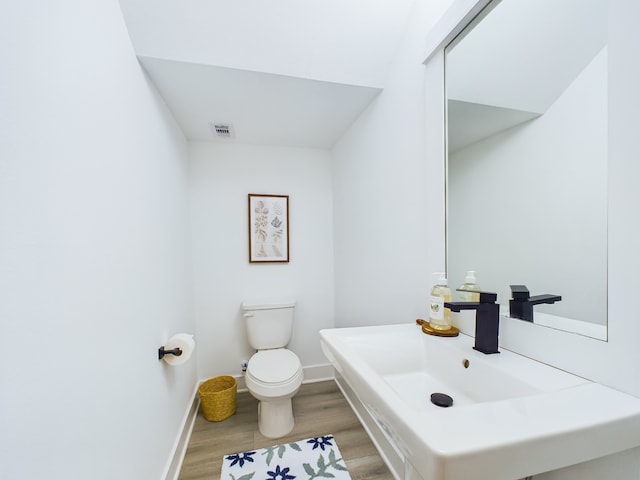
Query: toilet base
[(275, 417)]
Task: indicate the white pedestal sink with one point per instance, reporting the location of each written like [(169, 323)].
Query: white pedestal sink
[(511, 416)]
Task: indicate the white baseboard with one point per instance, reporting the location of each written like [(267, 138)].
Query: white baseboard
[(318, 373), (312, 374), (182, 442)]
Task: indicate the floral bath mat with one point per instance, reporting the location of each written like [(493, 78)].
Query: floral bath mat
[(309, 459)]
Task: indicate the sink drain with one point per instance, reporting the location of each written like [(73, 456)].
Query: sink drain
[(441, 399)]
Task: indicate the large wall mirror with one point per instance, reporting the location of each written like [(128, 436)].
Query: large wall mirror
[(527, 141)]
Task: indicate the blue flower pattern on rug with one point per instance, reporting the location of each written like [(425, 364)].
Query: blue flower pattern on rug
[(321, 442), (280, 474), (240, 458), (309, 459)]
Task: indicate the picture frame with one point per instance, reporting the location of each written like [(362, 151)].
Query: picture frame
[(268, 228)]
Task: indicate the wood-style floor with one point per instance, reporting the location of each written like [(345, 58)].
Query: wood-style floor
[(318, 408)]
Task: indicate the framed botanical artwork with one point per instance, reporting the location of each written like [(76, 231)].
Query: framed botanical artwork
[(268, 228)]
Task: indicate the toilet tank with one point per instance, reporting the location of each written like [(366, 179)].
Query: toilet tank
[(269, 322)]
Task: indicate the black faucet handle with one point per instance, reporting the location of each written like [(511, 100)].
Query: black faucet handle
[(519, 292), (547, 298), (485, 297), (488, 297)]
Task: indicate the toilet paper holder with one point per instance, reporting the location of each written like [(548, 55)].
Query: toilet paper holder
[(177, 349), (174, 351)]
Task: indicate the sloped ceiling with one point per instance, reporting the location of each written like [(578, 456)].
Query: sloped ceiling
[(282, 72), (516, 62)]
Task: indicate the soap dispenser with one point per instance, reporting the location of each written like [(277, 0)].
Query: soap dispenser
[(439, 316), (469, 288)]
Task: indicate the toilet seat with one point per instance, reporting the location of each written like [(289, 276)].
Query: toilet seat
[(274, 366), (274, 373)]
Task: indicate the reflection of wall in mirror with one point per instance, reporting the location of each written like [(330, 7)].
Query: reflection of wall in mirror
[(529, 204)]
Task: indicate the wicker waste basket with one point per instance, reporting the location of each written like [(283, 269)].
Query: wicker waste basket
[(218, 398)]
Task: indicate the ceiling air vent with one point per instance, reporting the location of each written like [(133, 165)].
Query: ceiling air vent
[(221, 130)]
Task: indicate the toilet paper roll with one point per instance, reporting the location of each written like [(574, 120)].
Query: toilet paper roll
[(184, 342)]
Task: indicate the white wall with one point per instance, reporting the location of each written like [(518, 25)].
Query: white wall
[(221, 177), (388, 196), (550, 171), (94, 271)]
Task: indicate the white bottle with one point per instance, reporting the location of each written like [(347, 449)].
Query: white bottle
[(471, 287), (439, 316)]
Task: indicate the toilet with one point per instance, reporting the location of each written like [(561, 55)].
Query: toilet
[(274, 374)]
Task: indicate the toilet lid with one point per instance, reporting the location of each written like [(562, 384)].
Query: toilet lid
[(273, 366)]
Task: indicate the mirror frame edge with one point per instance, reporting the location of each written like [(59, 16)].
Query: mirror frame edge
[(455, 19)]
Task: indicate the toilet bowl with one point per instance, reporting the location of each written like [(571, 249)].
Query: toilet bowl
[(273, 377), (274, 374)]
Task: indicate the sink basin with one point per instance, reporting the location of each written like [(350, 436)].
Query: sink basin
[(511, 416)]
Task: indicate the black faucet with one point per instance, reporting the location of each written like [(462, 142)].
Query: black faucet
[(521, 305), (487, 320)]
